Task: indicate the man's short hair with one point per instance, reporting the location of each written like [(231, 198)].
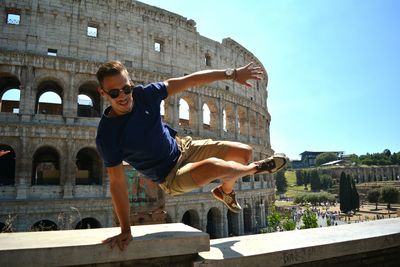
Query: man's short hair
[(110, 68)]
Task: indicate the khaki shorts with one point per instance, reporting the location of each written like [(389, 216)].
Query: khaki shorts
[(179, 180)]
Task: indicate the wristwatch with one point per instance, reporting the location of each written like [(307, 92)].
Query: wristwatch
[(229, 73)]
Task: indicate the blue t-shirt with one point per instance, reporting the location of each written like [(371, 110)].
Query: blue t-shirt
[(140, 137)]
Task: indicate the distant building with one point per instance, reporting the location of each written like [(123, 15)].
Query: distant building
[(308, 158)]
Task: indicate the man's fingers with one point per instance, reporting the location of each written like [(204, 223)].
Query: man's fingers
[(122, 241), (248, 65), (113, 242), (120, 245)]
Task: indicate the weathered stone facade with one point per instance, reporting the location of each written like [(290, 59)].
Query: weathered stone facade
[(364, 174), (46, 47)]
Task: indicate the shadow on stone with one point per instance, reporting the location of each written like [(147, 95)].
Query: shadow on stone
[(226, 249)]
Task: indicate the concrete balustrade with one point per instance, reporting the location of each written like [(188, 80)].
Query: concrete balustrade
[(375, 243)]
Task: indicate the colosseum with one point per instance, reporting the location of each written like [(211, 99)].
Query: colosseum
[(53, 178)]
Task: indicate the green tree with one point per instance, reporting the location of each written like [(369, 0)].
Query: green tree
[(373, 196), (325, 157), (345, 193), (288, 223), (281, 183), (300, 199), (390, 195), (273, 219), (314, 181), (355, 198), (395, 158), (387, 153), (309, 219), (326, 181), (299, 177), (353, 159), (306, 178)]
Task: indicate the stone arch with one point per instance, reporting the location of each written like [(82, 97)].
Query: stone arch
[(88, 223), (233, 223), (44, 225), (247, 219), (50, 85), (230, 118), (89, 167), (168, 106), (206, 117), (4, 228), (92, 107), (8, 83), (259, 220), (187, 112), (214, 223), (7, 166), (184, 113), (242, 121), (191, 218), (46, 166), (214, 114)]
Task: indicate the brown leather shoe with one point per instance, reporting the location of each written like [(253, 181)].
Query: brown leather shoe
[(271, 164), (228, 199)]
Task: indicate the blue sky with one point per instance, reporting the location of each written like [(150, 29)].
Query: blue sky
[(333, 67)]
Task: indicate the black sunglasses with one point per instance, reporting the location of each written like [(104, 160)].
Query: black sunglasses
[(114, 93)]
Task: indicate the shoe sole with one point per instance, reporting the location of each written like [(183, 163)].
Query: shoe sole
[(220, 200), (284, 158), (283, 165)]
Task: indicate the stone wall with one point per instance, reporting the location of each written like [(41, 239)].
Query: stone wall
[(364, 174)]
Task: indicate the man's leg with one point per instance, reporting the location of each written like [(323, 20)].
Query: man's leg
[(232, 166), (205, 161)]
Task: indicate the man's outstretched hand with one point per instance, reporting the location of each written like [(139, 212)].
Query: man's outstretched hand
[(122, 240), (248, 72), (3, 152)]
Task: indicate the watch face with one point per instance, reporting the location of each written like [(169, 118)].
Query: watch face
[(229, 72)]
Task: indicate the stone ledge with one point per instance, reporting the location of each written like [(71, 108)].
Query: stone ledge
[(374, 243), (302, 246), (83, 247)]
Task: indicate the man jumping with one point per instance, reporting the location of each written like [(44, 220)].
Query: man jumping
[(131, 130)]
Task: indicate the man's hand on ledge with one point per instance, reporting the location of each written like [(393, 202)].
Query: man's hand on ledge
[(122, 240)]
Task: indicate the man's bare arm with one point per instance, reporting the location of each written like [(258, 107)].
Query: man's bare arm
[(241, 75), (120, 200)]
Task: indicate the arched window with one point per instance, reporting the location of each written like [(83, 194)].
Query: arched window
[(44, 225), (7, 166), (10, 94), (183, 113), (206, 116), (10, 101), (49, 103), (88, 100), (46, 167), (162, 108), (224, 120), (49, 98), (88, 167), (88, 223)]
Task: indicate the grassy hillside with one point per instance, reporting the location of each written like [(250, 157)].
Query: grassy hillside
[(293, 189)]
